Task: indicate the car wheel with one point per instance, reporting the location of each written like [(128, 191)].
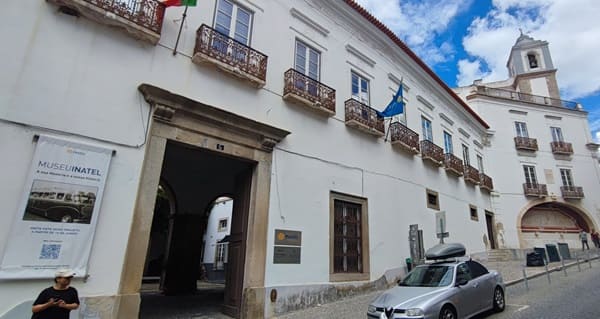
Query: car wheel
[(498, 300), (66, 219), (447, 313)]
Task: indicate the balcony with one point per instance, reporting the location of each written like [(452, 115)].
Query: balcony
[(571, 192), (404, 137), (432, 152), (524, 97), (303, 90), (141, 19), (526, 144), (485, 182), (453, 164), (561, 148), (537, 190), (364, 118), (471, 174), (230, 56)]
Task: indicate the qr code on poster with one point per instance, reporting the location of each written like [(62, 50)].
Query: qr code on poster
[(50, 251)]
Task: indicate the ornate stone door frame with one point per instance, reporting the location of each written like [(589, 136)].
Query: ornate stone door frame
[(178, 118)]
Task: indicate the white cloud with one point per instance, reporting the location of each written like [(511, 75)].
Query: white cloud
[(570, 27), (418, 23)]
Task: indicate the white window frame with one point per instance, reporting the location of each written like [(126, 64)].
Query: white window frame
[(557, 135), (310, 56), (235, 22), (448, 148), (427, 129), (480, 163), (221, 254), (530, 175), (521, 128), (466, 155), (362, 84), (221, 229), (567, 177)]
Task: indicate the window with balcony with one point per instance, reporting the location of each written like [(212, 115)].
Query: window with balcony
[(480, 163), (569, 190), (565, 176), (557, 135), (349, 238), (360, 88), (466, 156), (521, 128), (427, 130), (307, 63), (448, 143), (233, 21), (530, 177)]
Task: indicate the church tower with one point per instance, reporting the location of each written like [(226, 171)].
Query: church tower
[(530, 64)]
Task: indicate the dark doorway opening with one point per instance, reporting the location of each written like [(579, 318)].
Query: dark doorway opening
[(489, 221), (193, 270)]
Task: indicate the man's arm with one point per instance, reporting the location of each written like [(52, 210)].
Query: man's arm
[(44, 306), (70, 306)]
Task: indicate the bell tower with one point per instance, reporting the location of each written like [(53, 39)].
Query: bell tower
[(530, 64)]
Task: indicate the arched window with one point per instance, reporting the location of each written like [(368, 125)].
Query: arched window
[(533, 62)]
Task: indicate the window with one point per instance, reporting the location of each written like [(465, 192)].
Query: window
[(477, 269), (433, 201), (448, 143), (307, 60), (360, 89), (221, 255), (427, 132), (521, 128), (222, 224), (480, 163), (463, 272), (473, 212), (567, 179), (233, 21), (557, 134), (533, 63), (349, 244), (465, 150), (530, 178)]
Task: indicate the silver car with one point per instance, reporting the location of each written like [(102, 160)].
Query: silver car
[(448, 289)]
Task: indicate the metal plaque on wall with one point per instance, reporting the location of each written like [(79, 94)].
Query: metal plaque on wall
[(288, 237), (286, 255)]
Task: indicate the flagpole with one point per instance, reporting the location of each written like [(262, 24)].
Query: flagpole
[(180, 27)]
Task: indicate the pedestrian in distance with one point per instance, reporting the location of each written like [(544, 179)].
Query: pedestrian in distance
[(56, 302), (584, 240), (596, 238)]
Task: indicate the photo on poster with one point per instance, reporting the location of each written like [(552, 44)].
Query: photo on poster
[(60, 202)]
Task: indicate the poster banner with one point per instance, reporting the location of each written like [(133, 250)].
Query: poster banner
[(57, 215)]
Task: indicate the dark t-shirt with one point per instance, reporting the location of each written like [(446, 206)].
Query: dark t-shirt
[(69, 295)]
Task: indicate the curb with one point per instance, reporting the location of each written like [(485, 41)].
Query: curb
[(553, 269)]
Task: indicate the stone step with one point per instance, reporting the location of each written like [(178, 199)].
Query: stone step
[(500, 255)]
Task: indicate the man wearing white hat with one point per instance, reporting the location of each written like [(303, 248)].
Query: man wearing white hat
[(57, 301)]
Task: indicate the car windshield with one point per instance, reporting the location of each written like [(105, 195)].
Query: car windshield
[(429, 276)]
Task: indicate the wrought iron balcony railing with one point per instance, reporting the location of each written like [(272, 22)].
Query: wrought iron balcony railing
[(363, 117), (572, 192), (538, 190), (562, 148), (526, 143), (471, 174), (404, 137), (453, 164), (309, 92), (142, 19), (530, 98), (230, 55), (486, 182), (432, 152)]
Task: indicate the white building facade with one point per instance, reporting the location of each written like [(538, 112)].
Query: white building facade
[(270, 103), (543, 157)]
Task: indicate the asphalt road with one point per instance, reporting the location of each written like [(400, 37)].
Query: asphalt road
[(575, 296)]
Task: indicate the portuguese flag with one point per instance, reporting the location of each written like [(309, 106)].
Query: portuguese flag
[(179, 3)]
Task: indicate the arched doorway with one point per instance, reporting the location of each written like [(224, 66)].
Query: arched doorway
[(552, 222)]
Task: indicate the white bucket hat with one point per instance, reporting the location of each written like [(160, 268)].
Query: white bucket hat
[(64, 273)]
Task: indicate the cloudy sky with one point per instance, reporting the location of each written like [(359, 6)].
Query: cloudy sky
[(464, 40)]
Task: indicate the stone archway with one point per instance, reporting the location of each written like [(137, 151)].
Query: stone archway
[(551, 222)]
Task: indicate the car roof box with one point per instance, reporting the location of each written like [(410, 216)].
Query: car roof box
[(444, 251)]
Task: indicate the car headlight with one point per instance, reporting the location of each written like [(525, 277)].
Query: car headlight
[(414, 312), (371, 309)]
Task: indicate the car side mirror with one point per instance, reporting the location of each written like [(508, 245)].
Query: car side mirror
[(461, 282)]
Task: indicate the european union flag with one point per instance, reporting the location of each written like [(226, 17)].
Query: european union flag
[(395, 107)]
